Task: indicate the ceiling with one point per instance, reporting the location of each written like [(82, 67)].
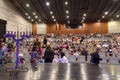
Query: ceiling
[(68, 11)]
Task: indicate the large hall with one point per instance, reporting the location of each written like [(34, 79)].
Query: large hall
[(59, 39)]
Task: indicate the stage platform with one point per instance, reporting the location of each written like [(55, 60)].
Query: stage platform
[(70, 71)]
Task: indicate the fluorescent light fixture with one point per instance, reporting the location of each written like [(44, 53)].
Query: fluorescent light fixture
[(67, 16), (36, 17), (51, 12), (117, 15), (67, 11), (106, 13), (47, 3), (29, 17), (27, 5), (66, 3)]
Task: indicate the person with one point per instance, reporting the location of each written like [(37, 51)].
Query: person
[(85, 53), (63, 58), (2, 54), (56, 59), (41, 59), (10, 43), (45, 41), (82, 38), (76, 55), (49, 55), (37, 43), (95, 57), (34, 55)]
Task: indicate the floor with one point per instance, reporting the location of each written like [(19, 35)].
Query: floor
[(70, 71)]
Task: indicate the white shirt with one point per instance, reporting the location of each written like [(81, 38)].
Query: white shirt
[(64, 59)]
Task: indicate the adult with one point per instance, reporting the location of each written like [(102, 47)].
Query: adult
[(85, 53), (49, 55), (2, 54), (95, 57)]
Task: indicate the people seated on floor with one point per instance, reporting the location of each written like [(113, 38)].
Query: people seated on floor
[(64, 43)]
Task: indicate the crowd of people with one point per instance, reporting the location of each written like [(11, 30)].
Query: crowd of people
[(53, 48)]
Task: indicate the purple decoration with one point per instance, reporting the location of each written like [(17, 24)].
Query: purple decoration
[(17, 45)]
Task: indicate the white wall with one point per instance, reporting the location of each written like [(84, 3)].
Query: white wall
[(41, 28), (9, 13), (114, 27)]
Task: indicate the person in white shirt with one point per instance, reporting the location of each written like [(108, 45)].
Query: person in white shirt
[(56, 59), (76, 55), (63, 58)]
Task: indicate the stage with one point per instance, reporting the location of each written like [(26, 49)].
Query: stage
[(71, 71)]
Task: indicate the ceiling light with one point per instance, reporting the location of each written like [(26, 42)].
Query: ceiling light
[(36, 22), (36, 17), (53, 17), (83, 17), (67, 11), (51, 12), (47, 3), (82, 20), (66, 3), (106, 13), (34, 13), (98, 20), (39, 19), (29, 17), (67, 16), (118, 16), (26, 14), (68, 22), (103, 16), (84, 14), (27, 5)]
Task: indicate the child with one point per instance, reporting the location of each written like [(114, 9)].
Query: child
[(56, 59), (41, 60), (76, 55)]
